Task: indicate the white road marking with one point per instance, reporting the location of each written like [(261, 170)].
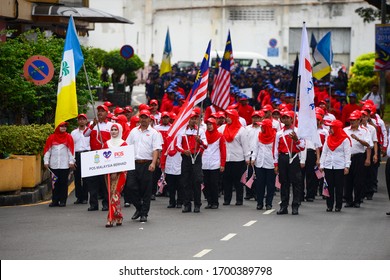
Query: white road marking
[(248, 224), (202, 253), (269, 211), (229, 236)]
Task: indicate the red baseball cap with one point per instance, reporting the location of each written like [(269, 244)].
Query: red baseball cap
[(82, 116), (108, 104), (267, 107), (103, 107), (153, 101), (144, 113)]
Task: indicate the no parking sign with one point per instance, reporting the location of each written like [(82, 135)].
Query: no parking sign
[(38, 69)]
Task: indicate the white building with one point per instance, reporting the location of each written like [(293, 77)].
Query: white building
[(252, 23)]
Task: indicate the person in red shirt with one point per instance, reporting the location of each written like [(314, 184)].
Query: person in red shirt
[(245, 110), (349, 108)]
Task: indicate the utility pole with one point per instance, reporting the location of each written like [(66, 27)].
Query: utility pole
[(382, 74)]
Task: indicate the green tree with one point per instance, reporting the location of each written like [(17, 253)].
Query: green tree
[(22, 101), (363, 75)]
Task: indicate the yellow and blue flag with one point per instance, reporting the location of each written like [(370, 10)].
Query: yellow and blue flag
[(166, 60), (72, 60), (323, 57)]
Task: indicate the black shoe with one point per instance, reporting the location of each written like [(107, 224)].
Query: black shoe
[(239, 203), (356, 205), (104, 208), (337, 209), (208, 206), (268, 207), (153, 197), (259, 207), (348, 205), (54, 204), (294, 211), (62, 204), (186, 209), (282, 211), (136, 215), (226, 203), (329, 209), (127, 204), (179, 205), (143, 219), (214, 206), (196, 209), (248, 197), (93, 208), (171, 206), (388, 213)]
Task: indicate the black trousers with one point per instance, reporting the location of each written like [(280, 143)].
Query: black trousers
[(232, 177), (139, 184), (290, 174), (97, 185), (354, 185), (60, 191), (192, 178), (387, 173), (211, 180), (81, 185), (336, 181), (265, 179), (310, 176), (371, 185), (174, 188)]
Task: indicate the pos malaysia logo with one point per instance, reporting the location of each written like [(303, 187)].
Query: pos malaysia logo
[(119, 154)]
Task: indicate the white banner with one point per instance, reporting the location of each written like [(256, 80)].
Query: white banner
[(247, 91), (107, 161)]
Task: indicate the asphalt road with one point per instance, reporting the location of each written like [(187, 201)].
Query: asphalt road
[(228, 233)]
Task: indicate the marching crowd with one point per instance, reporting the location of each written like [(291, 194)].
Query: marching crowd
[(251, 149)]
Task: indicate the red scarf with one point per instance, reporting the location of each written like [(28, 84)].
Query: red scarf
[(122, 120), (213, 136), (58, 138), (268, 136), (232, 129), (334, 140)]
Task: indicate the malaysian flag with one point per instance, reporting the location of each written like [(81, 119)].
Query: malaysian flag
[(198, 94), (220, 96)]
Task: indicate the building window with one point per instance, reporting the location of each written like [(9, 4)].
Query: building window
[(253, 14)]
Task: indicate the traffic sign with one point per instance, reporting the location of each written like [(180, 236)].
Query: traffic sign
[(127, 51), (273, 42), (38, 69)]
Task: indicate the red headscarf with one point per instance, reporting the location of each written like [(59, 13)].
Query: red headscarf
[(268, 136), (232, 129), (334, 140), (58, 138), (133, 122), (212, 136), (122, 120)]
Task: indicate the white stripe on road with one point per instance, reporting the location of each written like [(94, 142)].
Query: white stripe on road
[(268, 211), (202, 253), (248, 224), (229, 236)]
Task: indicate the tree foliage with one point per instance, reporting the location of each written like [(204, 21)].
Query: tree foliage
[(20, 100), (363, 75)]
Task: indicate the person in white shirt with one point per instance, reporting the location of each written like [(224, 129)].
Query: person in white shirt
[(147, 145), (237, 156), (335, 161), (360, 158), (81, 145), (263, 160), (58, 157)]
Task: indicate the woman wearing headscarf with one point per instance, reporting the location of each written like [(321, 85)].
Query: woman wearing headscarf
[(59, 158), (336, 160), (213, 162), (122, 120), (264, 164), (117, 180), (237, 153)]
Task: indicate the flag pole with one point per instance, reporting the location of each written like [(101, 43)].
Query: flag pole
[(295, 107), (93, 104)]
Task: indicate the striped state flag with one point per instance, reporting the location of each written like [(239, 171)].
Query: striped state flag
[(72, 60), (220, 95), (166, 60), (323, 57), (197, 95)]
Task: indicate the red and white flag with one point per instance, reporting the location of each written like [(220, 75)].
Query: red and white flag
[(198, 94), (220, 96), (307, 125)]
